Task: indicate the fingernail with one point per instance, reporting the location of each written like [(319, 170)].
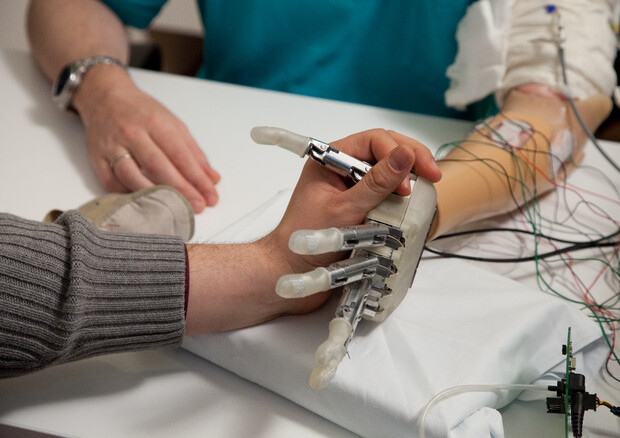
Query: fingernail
[(197, 204), (437, 171), (212, 199), (400, 159)]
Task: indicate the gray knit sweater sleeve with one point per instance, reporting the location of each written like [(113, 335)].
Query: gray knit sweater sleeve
[(69, 291)]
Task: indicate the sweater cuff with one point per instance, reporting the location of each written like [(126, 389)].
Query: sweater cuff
[(80, 292), (186, 281)]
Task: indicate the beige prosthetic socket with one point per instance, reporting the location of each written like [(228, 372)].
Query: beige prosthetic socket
[(484, 178), (152, 210)]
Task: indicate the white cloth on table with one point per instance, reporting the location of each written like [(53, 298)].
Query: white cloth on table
[(458, 325)]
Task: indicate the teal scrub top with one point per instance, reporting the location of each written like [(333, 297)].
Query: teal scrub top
[(387, 53)]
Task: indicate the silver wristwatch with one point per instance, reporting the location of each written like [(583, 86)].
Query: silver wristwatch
[(70, 78)]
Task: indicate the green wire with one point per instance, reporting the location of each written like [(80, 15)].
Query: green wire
[(533, 216)]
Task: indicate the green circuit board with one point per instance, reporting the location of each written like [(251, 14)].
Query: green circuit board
[(569, 367)]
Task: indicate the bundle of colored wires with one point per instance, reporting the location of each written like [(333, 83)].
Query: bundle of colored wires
[(602, 241), (613, 409), (550, 230)]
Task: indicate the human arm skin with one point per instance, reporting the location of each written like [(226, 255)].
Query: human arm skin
[(117, 116), (473, 190), (233, 286)]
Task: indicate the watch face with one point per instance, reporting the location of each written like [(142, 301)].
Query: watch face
[(63, 77)]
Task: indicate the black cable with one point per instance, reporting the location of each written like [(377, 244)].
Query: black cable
[(609, 371), (576, 247), (532, 233)]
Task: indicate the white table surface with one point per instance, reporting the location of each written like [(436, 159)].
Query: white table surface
[(44, 165)]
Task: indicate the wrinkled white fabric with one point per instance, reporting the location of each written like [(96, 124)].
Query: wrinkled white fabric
[(458, 325), (480, 66), (507, 43), (485, 422)]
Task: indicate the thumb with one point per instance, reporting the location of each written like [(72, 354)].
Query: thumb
[(383, 179)]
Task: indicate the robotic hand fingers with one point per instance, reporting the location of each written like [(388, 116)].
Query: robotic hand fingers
[(322, 279), (343, 239)]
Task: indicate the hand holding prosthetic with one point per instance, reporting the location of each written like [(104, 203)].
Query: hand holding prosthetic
[(386, 250)]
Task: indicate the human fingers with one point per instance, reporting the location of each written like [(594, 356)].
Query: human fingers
[(118, 171), (180, 148), (383, 179), (106, 175), (155, 165), (373, 145), (202, 160), (127, 172)]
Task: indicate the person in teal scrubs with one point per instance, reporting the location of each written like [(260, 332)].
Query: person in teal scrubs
[(387, 53)]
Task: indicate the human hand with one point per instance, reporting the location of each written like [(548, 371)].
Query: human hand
[(322, 199), (163, 152), (233, 286)]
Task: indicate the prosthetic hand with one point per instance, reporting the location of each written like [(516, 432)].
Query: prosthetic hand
[(386, 250)]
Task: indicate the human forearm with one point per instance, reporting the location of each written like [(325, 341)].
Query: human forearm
[(62, 31), (233, 286), (540, 55)]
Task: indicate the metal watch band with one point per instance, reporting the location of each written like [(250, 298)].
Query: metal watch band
[(87, 63), (71, 75)]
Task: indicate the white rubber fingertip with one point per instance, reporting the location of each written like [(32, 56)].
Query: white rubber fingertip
[(302, 285), (298, 144), (316, 241)]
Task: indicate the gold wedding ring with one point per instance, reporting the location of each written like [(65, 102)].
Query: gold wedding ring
[(118, 157)]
